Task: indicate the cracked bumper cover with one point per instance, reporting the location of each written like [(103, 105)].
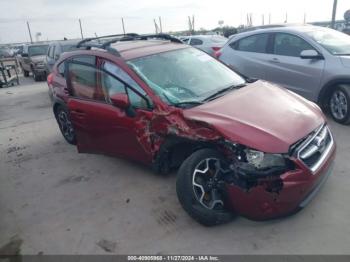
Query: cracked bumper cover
[(299, 188)]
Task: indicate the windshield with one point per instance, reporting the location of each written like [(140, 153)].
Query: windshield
[(184, 75), (37, 50), (335, 42)]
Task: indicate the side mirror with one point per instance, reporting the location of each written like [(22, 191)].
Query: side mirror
[(120, 100), (24, 55), (310, 54), (57, 56)]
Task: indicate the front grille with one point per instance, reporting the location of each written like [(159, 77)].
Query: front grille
[(315, 148)]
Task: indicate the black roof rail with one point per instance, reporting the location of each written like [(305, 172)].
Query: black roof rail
[(121, 38), (80, 44), (160, 36)]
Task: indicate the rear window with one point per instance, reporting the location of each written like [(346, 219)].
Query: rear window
[(196, 41), (67, 48)]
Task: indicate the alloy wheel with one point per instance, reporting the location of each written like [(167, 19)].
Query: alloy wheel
[(205, 183), (339, 105), (66, 125)]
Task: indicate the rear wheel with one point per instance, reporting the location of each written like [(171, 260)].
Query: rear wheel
[(65, 125), (339, 104), (200, 188)]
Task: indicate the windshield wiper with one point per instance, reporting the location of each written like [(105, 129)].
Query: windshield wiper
[(222, 91), (193, 103)]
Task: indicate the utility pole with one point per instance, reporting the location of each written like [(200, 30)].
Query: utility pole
[(30, 33), (193, 23), (269, 19), (304, 18), (334, 12), (160, 24), (156, 26), (81, 29), (123, 25), (263, 19)]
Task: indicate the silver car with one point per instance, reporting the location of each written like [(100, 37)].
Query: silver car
[(309, 60), (207, 43)]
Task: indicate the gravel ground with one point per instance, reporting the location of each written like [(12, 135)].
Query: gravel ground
[(56, 201)]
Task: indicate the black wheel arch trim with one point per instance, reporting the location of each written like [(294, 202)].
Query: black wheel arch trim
[(326, 89), (58, 102)]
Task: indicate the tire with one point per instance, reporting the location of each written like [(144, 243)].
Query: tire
[(339, 104), (188, 195), (25, 73), (36, 77), (67, 129)]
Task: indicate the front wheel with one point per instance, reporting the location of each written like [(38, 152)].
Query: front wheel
[(339, 104), (36, 77), (200, 188), (65, 125)]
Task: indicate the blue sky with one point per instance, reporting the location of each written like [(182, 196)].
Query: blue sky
[(56, 19)]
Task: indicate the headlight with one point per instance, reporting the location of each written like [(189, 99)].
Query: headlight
[(261, 160)]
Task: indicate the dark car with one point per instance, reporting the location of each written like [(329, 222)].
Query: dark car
[(241, 146), (32, 60), (55, 50)]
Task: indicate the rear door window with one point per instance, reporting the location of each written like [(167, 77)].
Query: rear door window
[(83, 78), (289, 45), (255, 43)]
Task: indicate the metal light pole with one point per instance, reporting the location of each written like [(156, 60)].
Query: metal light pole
[(30, 33), (160, 24), (81, 29), (123, 25), (334, 12)]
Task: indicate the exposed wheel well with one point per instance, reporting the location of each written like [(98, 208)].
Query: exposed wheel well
[(55, 108), (327, 89), (174, 151)]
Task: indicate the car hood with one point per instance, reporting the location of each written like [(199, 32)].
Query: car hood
[(38, 58), (261, 116), (345, 61)]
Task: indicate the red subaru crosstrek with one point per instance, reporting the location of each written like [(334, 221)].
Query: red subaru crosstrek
[(242, 146)]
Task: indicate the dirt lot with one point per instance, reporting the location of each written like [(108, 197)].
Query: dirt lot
[(56, 201)]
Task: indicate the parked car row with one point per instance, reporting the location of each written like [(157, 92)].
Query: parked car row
[(38, 59), (206, 43), (241, 145)]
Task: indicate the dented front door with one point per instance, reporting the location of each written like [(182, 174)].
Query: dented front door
[(109, 130)]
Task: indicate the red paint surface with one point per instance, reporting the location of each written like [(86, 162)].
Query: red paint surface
[(261, 116), (258, 204)]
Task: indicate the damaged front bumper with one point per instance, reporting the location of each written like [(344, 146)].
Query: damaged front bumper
[(282, 195)]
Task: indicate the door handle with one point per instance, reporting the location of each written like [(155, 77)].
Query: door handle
[(274, 60), (78, 113)]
